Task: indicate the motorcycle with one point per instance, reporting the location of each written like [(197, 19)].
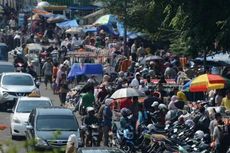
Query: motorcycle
[(125, 139), (20, 67), (90, 135), (95, 135)]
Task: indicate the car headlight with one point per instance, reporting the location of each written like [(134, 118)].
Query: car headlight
[(5, 93), (40, 142), (16, 120)]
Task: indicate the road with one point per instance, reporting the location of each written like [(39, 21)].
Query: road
[(5, 137)]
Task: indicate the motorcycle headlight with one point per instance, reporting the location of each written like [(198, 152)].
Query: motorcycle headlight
[(16, 120), (40, 142)]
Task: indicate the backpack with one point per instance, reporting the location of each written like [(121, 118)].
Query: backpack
[(224, 137)]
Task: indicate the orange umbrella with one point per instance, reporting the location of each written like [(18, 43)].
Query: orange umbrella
[(205, 79), (207, 82)]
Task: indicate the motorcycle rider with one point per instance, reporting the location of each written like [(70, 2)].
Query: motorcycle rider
[(126, 118), (88, 120), (31, 71), (18, 59)]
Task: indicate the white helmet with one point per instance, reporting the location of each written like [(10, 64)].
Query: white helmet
[(162, 106), (89, 109), (155, 103), (199, 134)]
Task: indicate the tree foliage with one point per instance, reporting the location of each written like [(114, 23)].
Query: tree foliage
[(190, 25)]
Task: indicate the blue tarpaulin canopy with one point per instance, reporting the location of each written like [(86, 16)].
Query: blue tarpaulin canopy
[(92, 29), (78, 69), (130, 34), (67, 24)]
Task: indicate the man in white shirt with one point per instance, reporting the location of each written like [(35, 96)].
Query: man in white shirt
[(136, 81), (134, 51)]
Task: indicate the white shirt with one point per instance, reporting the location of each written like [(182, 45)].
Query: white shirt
[(134, 83), (143, 89), (133, 48)]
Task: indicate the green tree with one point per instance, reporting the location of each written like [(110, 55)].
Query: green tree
[(189, 25)]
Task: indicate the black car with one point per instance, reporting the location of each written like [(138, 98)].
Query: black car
[(100, 150), (50, 128)]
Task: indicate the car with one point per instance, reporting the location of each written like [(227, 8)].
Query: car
[(6, 67), (14, 85), (21, 112), (50, 128), (100, 149)]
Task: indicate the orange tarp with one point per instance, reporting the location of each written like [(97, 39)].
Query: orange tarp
[(41, 12)]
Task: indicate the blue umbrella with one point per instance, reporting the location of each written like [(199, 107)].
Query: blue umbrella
[(106, 19), (186, 86)]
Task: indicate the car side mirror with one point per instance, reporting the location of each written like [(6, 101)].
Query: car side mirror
[(10, 110), (30, 127)]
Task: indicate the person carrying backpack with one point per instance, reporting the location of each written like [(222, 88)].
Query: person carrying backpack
[(221, 135)]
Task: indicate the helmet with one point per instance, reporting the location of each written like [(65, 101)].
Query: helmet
[(89, 109), (125, 112), (189, 123), (162, 106), (121, 73), (155, 103), (199, 134)]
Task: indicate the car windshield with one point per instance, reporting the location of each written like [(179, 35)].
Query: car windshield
[(6, 68), (28, 105), (24, 80), (56, 122)]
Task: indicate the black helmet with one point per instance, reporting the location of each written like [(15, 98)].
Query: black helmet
[(125, 112)]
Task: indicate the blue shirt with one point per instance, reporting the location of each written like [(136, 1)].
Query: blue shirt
[(107, 116), (142, 117)]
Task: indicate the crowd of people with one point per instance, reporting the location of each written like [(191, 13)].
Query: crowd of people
[(169, 105)]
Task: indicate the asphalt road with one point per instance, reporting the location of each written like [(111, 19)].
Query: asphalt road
[(5, 137)]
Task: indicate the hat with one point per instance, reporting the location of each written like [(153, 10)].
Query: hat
[(174, 98), (152, 63), (108, 101), (137, 73)]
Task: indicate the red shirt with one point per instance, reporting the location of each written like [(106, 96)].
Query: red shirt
[(126, 102)]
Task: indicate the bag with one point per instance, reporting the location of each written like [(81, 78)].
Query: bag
[(224, 137)]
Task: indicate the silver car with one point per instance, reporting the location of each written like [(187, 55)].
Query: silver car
[(6, 67), (15, 84)]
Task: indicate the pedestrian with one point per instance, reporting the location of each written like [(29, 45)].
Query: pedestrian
[(72, 145), (54, 76), (63, 89), (221, 135), (142, 116), (226, 101), (134, 109), (134, 51), (47, 70), (87, 99), (136, 81), (107, 121), (60, 71)]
